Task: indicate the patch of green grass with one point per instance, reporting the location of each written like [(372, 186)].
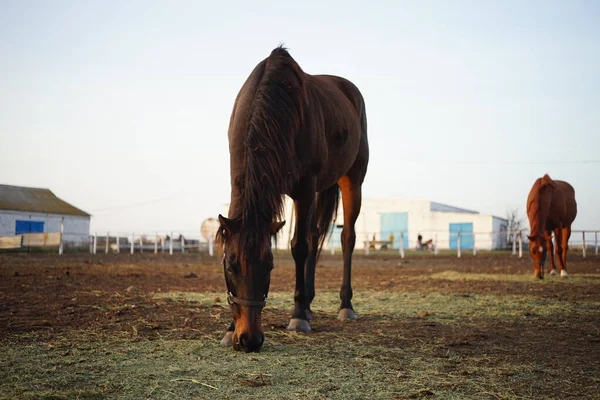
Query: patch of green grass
[(512, 277), (443, 308), (338, 368)]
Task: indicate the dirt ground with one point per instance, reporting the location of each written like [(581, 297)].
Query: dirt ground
[(440, 327)]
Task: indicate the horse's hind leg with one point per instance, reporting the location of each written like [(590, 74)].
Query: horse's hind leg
[(562, 246), (351, 199), (550, 252)]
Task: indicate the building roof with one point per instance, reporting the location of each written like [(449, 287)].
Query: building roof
[(446, 208), (17, 198)]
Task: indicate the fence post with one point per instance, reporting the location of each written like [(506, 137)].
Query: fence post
[(211, 249), (583, 247), (118, 245), (367, 245), (171, 244), (156, 244), (182, 244), (141, 243), (132, 243), (91, 241), (62, 232), (107, 242), (435, 247), (95, 242), (520, 244), (162, 244), (596, 241), (401, 246), (514, 244), (458, 244), (474, 245)]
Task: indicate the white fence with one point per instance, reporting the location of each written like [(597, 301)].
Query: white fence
[(586, 242)]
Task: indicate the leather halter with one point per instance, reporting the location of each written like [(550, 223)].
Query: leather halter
[(231, 299)]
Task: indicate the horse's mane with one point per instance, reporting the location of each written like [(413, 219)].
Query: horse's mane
[(535, 203), (272, 166)]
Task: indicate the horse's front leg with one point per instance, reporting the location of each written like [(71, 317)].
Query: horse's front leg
[(300, 250), (228, 338)]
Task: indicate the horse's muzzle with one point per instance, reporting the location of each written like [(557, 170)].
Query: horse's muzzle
[(248, 342)]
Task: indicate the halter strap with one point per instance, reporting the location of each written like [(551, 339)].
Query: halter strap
[(231, 299)]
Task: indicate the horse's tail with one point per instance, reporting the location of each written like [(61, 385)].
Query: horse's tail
[(327, 206)]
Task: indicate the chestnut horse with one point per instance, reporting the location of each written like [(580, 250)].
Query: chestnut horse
[(301, 135), (551, 207)]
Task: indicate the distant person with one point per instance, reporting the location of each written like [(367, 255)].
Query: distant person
[(419, 242), (391, 239)]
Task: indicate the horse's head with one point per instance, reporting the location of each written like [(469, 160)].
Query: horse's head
[(247, 266), (537, 251)]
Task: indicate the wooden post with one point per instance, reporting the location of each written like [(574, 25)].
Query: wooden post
[(401, 247), (596, 241), (182, 243), (583, 246), (162, 244), (520, 244), (156, 244), (62, 233), (141, 243), (474, 245), (458, 244), (91, 241), (118, 245), (107, 242), (95, 242), (211, 248), (132, 242), (367, 245), (171, 244), (435, 247)]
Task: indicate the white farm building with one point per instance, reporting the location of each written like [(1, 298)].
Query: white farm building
[(379, 219), (30, 210)]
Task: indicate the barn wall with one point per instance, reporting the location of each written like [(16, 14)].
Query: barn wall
[(420, 220), (76, 228)]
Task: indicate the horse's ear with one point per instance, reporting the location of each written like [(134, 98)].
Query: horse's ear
[(228, 225), (276, 227)]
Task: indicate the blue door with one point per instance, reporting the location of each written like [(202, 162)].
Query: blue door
[(29, 227), (466, 235), (394, 223)]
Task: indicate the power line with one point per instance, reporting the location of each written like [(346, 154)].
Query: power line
[(492, 162), (138, 204)]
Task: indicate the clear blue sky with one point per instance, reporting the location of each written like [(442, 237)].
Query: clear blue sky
[(116, 103)]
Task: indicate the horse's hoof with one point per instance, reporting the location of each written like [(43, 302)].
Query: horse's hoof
[(563, 274), (347, 314), (227, 339), (553, 272), (298, 325)]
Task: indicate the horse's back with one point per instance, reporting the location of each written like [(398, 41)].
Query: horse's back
[(565, 195), (339, 125)]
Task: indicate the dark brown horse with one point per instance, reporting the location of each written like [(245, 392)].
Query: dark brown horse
[(551, 207), (301, 135)]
